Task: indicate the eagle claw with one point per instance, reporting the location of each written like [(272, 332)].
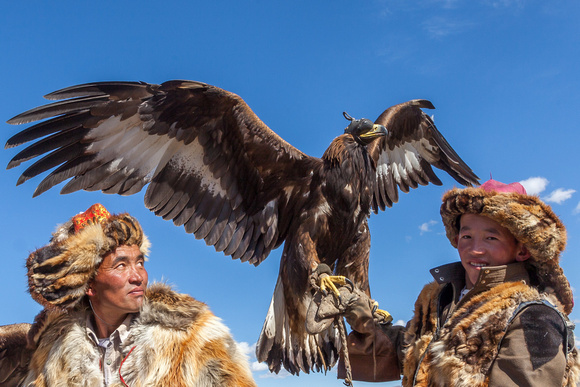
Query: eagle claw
[(383, 316), (331, 281)]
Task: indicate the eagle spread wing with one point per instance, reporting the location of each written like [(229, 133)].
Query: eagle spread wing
[(14, 354), (212, 166), (405, 155)]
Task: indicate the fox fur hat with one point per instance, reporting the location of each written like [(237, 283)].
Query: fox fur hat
[(530, 220), (59, 273)]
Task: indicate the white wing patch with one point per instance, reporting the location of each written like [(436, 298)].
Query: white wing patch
[(190, 158), (405, 158), (128, 146)]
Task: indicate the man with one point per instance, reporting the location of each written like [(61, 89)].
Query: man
[(102, 326), (496, 318)]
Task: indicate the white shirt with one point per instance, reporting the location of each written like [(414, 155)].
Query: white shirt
[(110, 347)]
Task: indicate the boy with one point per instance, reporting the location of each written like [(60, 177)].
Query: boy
[(497, 318)]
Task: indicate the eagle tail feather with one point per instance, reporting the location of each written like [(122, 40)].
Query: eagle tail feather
[(279, 346)]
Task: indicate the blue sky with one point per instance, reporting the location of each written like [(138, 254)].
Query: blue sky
[(503, 76)]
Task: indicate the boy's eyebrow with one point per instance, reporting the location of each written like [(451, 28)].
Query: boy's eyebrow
[(492, 230)]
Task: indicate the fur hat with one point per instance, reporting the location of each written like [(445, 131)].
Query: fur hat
[(59, 273), (530, 220)]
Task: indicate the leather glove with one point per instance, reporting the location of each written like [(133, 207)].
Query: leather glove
[(358, 309)]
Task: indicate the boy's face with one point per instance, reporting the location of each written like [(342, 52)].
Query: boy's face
[(484, 242)]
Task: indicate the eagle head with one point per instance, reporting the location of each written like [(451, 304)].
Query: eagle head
[(364, 130)]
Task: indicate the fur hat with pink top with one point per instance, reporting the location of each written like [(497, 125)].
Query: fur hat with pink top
[(529, 219)]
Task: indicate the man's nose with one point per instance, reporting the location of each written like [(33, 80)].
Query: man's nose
[(136, 275)]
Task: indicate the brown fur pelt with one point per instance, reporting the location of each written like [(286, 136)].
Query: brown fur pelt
[(14, 354), (531, 222), (420, 331), (175, 341), (464, 349)]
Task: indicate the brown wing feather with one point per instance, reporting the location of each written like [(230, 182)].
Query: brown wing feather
[(404, 158), (211, 164)]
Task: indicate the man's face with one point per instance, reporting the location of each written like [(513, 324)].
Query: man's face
[(120, 283), (484, 242)]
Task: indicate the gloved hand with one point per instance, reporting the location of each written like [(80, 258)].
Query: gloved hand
[(360, 314), (372, 346), (359, 310)]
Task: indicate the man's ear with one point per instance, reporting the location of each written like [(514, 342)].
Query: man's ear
[(90, 292), (523, 254)]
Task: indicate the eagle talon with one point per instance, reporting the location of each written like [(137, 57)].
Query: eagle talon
[(349, 282), (331, 281), (382, 314)]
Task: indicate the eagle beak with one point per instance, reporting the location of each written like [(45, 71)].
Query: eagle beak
[(376, 131)]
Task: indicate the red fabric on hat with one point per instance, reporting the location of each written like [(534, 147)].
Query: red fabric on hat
[(494, 185)]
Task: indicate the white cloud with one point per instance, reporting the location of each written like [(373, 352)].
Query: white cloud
[(260, 368), (256, 366), (535, 185), (426, 227), (400, 323), (577, 209), (560, 195), (246, 348)]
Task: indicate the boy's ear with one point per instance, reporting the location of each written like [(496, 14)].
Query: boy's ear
[(523, 254)]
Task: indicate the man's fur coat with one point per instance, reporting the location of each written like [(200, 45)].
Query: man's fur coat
[(174, 341)]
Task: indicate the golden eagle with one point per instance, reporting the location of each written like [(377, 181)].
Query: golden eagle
[(214, 167)]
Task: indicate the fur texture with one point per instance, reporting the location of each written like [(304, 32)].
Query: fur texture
[(464, 349), (530, 220), (175, 341), (14, 354)]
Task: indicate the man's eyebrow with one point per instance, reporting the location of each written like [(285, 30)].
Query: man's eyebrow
[(126, 258)]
